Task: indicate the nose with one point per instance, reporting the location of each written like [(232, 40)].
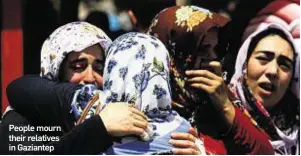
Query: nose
[(272, 70), (212, 54), (89, 77)]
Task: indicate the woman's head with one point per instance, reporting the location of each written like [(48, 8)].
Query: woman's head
[(75, 52), (270, 66), (190, 34), (136, 71), (266, 80), (268, 63)]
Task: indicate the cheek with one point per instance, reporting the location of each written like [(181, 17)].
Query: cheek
[(99, 80), (285, 79), (254, 70), (254, 73), (76, 78)]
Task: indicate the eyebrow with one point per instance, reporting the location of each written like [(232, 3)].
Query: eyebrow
[(99, 61), (78, 60), (271, 53)]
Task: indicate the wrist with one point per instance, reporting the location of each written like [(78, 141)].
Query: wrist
[(228, 112), (104, 121)]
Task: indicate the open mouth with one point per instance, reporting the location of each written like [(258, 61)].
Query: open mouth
[(268, 87)]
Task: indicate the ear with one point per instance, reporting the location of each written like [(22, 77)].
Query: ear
[(133, 18), (244, 70)]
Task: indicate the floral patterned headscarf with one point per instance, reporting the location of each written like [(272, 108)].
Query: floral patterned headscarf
[(136, 71), (183, 29), (72, 37)]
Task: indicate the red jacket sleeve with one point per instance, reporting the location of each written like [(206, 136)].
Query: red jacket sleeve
[(242, 138)]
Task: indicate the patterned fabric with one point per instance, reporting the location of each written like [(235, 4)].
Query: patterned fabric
[(137, 72), (72, 37), (183, 29), (284, 143), (80, 100)]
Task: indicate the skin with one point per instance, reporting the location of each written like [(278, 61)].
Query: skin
[(210, 80), (86, 66), (271, 64)]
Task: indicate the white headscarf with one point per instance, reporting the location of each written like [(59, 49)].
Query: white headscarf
[(287, 141), (137, 71), (71, 37)]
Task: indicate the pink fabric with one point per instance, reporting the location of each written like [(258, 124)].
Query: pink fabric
[(282, 12), (284, 9)]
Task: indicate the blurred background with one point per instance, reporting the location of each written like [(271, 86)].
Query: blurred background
[(25, 24)]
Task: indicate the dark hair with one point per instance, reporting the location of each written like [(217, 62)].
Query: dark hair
[(268, 32), (285, 114)]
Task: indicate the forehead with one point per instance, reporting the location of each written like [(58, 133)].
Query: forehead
[(94, 51), (275, 44)]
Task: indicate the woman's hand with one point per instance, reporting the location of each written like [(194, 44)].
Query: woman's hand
[(123, 119), (184, 143), (212, 82)]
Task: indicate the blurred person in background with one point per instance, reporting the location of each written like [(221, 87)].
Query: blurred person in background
[(141, 13)]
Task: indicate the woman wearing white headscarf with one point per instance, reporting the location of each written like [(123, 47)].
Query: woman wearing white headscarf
[(266, 80), (137, 72), (73, 53)]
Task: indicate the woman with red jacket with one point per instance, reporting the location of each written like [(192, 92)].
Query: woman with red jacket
[(191, 35)]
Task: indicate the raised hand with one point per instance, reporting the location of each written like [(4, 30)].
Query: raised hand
[(212, 82)]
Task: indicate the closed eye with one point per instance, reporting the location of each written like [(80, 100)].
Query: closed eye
[(78, 65)]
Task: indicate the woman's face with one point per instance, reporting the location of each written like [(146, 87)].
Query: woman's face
[(270, 69), (85, 67), (206, 51)]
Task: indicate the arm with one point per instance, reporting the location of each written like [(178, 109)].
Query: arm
[(41, 101), (244, 138), (90, 137)]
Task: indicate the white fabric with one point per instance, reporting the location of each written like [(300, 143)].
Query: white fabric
[(71, 37), (137, 72)]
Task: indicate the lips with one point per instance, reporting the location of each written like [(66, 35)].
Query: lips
[(269, 87)]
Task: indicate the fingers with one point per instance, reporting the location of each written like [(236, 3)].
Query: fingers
[(183, 136), (139, 118), (217, 67), (137, 112), (217, 71), (203, 73), (183, 144), (202, 86), (203, 80), (193, 132), (136, 131), (140, 124), (188, 151)]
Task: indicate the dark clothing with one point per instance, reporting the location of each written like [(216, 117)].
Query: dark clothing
[(40, 102), (90, 137), (43, 102)]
